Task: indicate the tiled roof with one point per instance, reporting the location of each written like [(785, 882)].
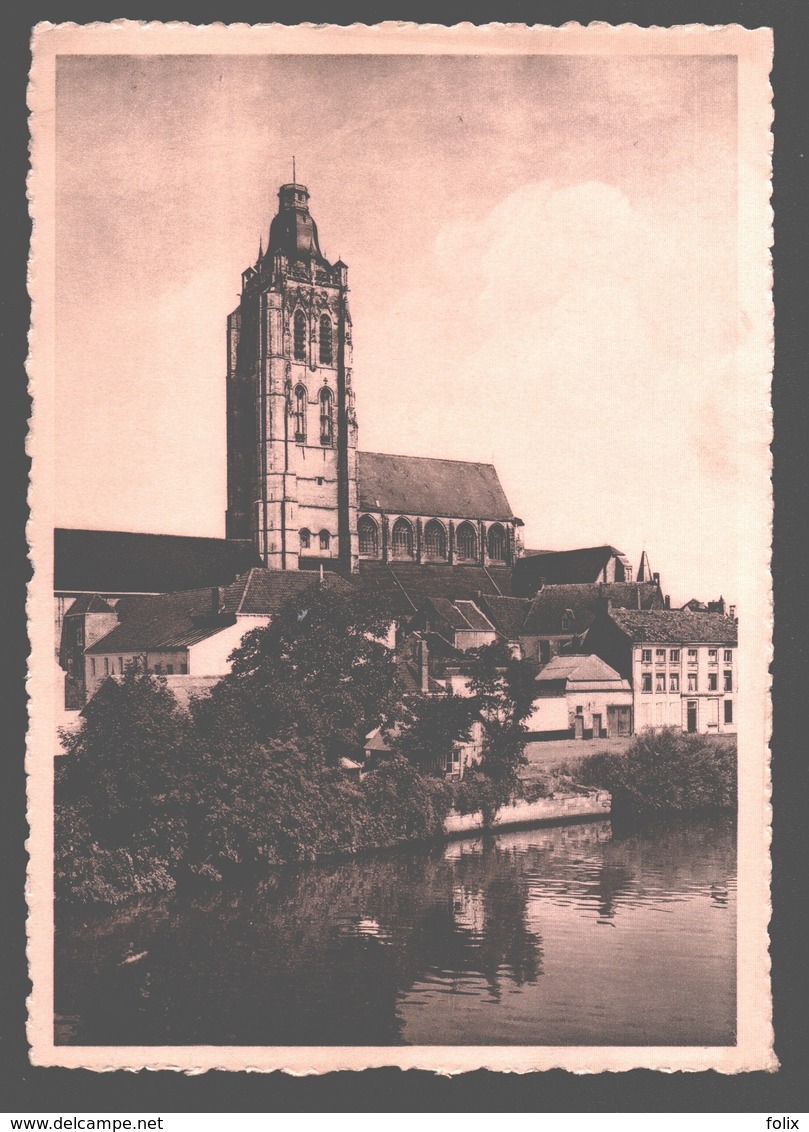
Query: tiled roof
[(507, 614), (118, 562), (88, 603), (417, 485), (188, 688), (475, 617), (263, 592), (673, 626), (164, 621), (591, 671), (414, 584), (551, 603), (561, 567)]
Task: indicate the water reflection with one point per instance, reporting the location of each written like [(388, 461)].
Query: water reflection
[(548, 936)]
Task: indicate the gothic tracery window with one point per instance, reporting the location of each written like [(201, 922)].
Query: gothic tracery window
[(402, 539), (299, 336), (497, 543), (368, 536), (325, 341), (467, 541), (326, 417), (435, 540), (299, 413)]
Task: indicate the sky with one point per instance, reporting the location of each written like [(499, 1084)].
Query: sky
[(542, 259)]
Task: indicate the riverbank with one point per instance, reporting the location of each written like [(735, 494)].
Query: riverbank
[(521, 814)]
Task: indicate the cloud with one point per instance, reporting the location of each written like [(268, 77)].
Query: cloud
[(590, 348)]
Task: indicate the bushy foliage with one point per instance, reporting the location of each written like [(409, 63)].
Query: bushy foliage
[(427, 728), (122, 793), (478, 793), (404, 805), (504, 689), (319, 672), (667, 771)]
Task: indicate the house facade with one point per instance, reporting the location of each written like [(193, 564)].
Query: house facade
[(581, 697), (193, 633), (682, 666)]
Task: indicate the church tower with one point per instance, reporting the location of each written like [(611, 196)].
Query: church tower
[(291, 424)]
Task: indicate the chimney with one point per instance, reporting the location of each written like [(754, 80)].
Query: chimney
[(637, 595), (667, 602), (424, 668), (656, 579), (732, 611), (321, 573), (217, 600)]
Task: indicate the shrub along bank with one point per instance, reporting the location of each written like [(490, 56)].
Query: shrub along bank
[(146, 800), (148, 795), (666, 771)]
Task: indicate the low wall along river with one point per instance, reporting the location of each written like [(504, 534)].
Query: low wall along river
[(560, 807)]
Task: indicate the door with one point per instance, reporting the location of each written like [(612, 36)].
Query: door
[(596, 726), (578, 724), (691, 712)]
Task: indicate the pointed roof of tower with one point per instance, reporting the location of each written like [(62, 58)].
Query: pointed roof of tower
[(645, 570)]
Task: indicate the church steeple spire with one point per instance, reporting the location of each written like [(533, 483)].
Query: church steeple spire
[(645, 570)]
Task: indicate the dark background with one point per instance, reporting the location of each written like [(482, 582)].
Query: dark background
[(35, 1090)]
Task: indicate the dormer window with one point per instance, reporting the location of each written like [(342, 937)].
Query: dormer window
[(299, 336), (568, 621)]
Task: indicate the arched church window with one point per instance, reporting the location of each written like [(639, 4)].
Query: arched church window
[(402, 539), (325, 539), (326, 417), (435, 540), (368, 535), (467, 542), (299, 413), (306, 539), (299, 336), (497, 543), (325, 341)]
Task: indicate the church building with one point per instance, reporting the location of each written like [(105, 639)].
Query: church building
[(297, 485)]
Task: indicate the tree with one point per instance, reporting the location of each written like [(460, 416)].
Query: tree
[(131, 753), (123, 792), (504, 690), (430, 727), (319, 673)]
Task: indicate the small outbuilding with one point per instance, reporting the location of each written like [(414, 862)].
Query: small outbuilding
[(581, 697)]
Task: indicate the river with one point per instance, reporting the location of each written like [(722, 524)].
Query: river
[(570, 935)]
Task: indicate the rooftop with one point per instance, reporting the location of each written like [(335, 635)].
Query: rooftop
[(127, 562), (552, 602), (420, 485), (561, 567), (674, 626)]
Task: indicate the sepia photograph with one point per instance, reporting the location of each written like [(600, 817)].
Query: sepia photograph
[(400, 516)]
